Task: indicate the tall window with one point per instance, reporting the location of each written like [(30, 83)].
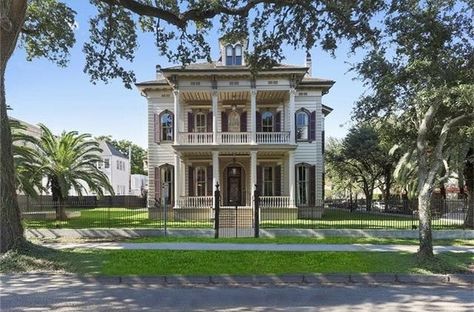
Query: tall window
[(302, 185), (267, 121), (201, 119), (166, 127), (201, 189), (234, 121), (229, 55), (268, 181), (238, 54), (302, 126), (106, 163), (167, 183)]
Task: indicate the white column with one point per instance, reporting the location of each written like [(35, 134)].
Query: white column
[(291, 177), (291, 115), (253, 111), (214, 117), (176, 115), (215, 173), (253, 173), (177, 176)]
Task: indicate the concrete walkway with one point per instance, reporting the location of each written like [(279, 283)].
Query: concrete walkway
[(256, 247)]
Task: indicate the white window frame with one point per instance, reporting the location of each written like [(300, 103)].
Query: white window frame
[(267, 128), (166, 130), (302, 126), (198, 184), (200, 127), (302, 185), (167, 172), (268, 185)]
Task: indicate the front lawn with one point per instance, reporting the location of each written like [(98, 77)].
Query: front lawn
[(34, 258)]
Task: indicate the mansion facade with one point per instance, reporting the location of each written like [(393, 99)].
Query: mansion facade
[(219, 123)]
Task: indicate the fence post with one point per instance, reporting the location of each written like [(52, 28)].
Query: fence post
[(256, 198), (216, 212)]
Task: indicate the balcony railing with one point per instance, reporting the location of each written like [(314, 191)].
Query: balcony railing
[(273, 137), (274, 201), (195, 202), (192, 138), (195, 138), (234, 137)]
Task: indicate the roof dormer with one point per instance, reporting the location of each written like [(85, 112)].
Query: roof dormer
[(233, 51)]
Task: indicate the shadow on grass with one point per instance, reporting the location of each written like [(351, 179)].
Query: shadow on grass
[(30, 257)]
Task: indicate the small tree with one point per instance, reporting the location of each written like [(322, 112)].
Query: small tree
[(69, 161)]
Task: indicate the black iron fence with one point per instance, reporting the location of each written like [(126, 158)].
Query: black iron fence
[(237, 220)]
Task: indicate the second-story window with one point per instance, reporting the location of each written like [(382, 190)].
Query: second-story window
[(267, 121), (302, 126), (106, 163), (200, 121), (166, 127), (233, 55)]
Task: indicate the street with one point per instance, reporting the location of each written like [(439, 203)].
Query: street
[(68, 293)]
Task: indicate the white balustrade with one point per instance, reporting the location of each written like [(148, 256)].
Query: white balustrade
[(274, 201), (234, 137), (195, 138), (273, 137), (195, 202)]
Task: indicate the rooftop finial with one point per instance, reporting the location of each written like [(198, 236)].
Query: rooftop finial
[(308, 63)]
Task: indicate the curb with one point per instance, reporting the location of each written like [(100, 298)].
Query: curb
[(271, 279)]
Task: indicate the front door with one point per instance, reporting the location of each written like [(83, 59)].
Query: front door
[(234, 186)]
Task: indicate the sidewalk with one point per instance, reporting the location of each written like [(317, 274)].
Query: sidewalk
[(256, 247)]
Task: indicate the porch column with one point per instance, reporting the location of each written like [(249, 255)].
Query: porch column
[(253, 173), (215, 173), (176, 115), (177, 176), (253, 111), (291, 178), (291, 115), (214, 117)]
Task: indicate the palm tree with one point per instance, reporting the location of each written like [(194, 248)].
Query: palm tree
[(69, 161)]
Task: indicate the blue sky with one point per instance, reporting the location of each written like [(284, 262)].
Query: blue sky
[(64, 98)]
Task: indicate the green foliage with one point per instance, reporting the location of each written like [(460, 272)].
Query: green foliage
[(69, 161), (139, 154), (48, 31)]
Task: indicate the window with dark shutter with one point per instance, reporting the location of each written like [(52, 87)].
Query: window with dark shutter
[(243, 122), (312, 127), (166, 120), (156, 130), (224, 121), (209, 181), (190, 122), (157, 184), (209, 122), (191, 181), (312, 185), (277, 180), (278, 122), (258, 119)]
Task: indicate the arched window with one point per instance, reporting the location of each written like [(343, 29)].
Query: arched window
[(302, 125), (267, 121), (238, 54), (201, 179), (229, 55), (166, 121), (201, 122)]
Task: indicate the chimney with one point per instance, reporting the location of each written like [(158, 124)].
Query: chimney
[(159, 75), (308, 63)]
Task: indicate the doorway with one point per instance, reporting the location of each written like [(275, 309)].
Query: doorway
[(234, 186)]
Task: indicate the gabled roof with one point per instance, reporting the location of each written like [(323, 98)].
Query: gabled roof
[(108, 148)]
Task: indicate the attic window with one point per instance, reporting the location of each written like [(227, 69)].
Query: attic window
[(273, 82), (233, 55), (303, 93), (195, 83), (233, 83), (165, 95)]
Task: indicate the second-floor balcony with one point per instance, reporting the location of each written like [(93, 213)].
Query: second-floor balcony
[(232, 138)]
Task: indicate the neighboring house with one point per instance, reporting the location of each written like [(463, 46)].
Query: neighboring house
[(117, 168), (138, 184), (215, 123)]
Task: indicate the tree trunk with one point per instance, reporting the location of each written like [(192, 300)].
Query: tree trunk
[(388, 185), (426, 240), (11, 230), (469, 177)]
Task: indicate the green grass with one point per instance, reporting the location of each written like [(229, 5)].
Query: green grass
[(138, 218), (301, 240), (34, 258)]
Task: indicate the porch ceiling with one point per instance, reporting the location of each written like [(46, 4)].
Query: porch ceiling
[(235, 96)]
